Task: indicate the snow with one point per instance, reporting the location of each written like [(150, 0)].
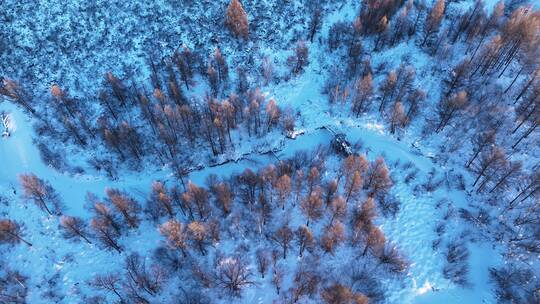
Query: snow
[(412, 229)]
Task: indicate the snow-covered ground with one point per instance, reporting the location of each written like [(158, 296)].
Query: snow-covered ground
[(414, 229)]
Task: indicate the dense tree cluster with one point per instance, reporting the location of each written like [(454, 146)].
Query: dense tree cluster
[(339, 212)]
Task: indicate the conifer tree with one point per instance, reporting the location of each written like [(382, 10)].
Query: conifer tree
[(236, 19)]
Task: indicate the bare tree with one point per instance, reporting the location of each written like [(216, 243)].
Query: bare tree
[(233, 274), (267, 70), (142, 278), (391, 257), (305, 283), (13, 286), (111, 283), (263, 261), (315, 24), (388, 88), (277, 278), (481, 141)]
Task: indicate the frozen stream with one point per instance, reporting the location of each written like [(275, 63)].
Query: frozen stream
[(412, 229)]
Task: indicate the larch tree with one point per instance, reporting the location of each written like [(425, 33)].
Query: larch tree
[(374, 240), (106, 233), (40, 192), (312, 206), (338, 209), (340, 294), (300, 59), (332, 237), (237, 20), (127, 207), (350, 165), (10, 233), (353, 185), (362, 94), (198, 234), (196, 200), (304, 239), (491, 161), (74, 227), (398, 117), (330, 191), (103, 211), (283, 237), (362, 219), (449, 107), (176, 234), (15, 92), (160, 198), (223, 197), (433, 20), (481, 141), (387, 89), (313, 179), (283, 188), (378, 177)]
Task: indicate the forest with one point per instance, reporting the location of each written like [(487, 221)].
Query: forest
[(237, 151)]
